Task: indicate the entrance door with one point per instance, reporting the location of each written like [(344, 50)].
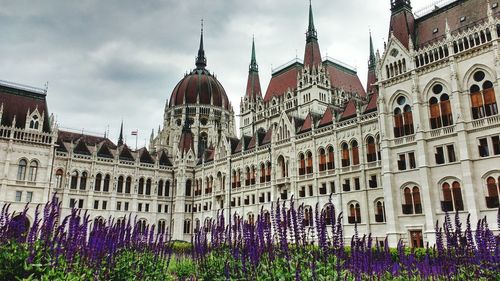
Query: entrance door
[(416, 239)]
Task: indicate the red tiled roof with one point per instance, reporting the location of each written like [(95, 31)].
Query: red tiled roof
[(345, 79), (312, 55), (268, 137), (473, 12), (104, 151), (199, 85), (90, 140), (282, 81), (349, 110), (308, 123), (233, 142), (253, 85), (327, 118), (253, 142), (16, 102), (372, 79), (372, 103), (186, 142), (402, 25), (81, 148)]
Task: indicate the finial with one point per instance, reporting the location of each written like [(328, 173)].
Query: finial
[(201, 61), (311, 31), (120, 138)]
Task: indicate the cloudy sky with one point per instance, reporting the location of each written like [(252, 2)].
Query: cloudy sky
[(111, 60)]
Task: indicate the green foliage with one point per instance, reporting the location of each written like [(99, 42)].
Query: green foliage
[(182, 268), (181, 247)]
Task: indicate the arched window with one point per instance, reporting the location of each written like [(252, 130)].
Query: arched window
[(262, 173), (187, 227), (308, 216), (33, 171), (371, 150), (379, 211), (282, 164), (128, 185), (21, 170), (34, 122), (331, 158), (148, 187), (354, 213), (268, 173), (492, 192), (83, 181), (329, 219), (252, 175), (482, 95), (98, 182), (309, 166), (162, 226), (142, 226), (188, 187), (440, 108), (119, 186), (105, 187), (160, 188), (412, 203), (452, 197), (59, 178), (302, 164), (322, 159), (403, 118), (238, 178), (355, 152), (140, 189), (345, 155), (247, 176), (167, 188), (74, 180)]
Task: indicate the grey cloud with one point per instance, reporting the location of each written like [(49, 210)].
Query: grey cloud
[(108, 60)]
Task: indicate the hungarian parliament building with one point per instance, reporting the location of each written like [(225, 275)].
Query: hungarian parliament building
[(420, 139)]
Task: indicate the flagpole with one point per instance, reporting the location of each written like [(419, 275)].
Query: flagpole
[(136, 135)]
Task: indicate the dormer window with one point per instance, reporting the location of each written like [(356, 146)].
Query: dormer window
[(494, 5), (435, 30), (462, 19), (34, 123)]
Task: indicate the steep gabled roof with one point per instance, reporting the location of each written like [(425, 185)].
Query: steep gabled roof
[(283, 80), (243, 144), (17, 100), (307, 125), (253, 142), (344, 78), (349, 110), (164, 161), (81, 148), (104, 151), (126, 153), (268, 137), (90, 140), (372, 103), (233, 142), (327, 118), (145, 157)]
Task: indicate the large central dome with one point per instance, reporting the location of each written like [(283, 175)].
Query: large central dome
[(199, 87)]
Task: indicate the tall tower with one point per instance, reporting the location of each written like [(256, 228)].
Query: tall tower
[(402, 24), (252, 101), (372, 78), (313, 81)]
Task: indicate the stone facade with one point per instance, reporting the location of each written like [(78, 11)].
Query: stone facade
[(422, 139)]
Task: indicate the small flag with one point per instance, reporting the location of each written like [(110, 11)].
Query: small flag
[(134, 133)]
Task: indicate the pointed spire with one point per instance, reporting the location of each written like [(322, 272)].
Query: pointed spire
[(371, 61), (253, 82), (253, 61), (311, 31), (120, 138), (312, 55), (201, 61)]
